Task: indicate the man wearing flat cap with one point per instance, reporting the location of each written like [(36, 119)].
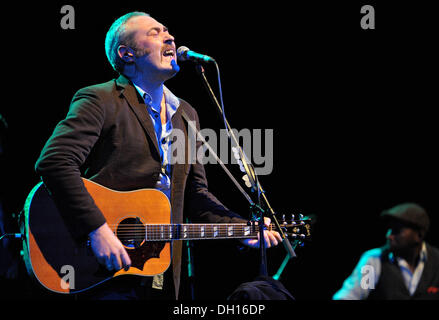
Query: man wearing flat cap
[(406, 267)]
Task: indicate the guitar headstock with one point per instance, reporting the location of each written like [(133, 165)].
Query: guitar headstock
[(296, 228)]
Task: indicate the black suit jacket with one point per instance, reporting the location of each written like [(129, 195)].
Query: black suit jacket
[(108, 137)]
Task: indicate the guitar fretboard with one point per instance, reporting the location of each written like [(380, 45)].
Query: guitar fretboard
[(167, 232), (164, 232)]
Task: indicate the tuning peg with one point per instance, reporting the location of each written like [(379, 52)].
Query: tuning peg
[(293, 235), (292, 217)]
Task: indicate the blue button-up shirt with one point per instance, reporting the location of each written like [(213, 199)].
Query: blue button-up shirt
[(163, 134)]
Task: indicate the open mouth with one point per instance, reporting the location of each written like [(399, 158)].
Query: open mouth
[(169, 53)]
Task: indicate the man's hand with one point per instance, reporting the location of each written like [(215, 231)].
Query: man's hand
[(272, 238), (108, 249)]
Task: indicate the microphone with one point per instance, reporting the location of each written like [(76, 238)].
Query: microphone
[(184, 54)]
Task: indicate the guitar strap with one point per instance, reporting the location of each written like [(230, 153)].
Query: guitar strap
[(191, 124)]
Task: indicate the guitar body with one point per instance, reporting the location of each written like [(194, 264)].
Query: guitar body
[(62, 265), (140, 219)]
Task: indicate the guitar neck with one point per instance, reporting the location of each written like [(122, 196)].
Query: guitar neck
[(164, 232), (139, 232)]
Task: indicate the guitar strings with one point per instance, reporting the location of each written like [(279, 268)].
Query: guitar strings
[(166, 232), (172, 232), (225, 226)]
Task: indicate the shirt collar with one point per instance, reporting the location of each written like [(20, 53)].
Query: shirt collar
[(172, 102), (145, 95), (423, 253)]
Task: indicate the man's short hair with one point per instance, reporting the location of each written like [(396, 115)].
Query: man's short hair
[(116, 36)]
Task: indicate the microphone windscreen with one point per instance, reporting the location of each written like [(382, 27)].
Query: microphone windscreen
[(181, 53)]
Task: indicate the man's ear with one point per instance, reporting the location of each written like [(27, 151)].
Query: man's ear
[(126, 54)]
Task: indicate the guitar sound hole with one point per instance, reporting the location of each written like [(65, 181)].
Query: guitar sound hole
[(131, 232)]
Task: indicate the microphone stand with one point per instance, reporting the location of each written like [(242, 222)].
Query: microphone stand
[(256, 209)]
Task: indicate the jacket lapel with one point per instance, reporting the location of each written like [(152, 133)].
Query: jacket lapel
[(177, 195), (178, 169), (138, 106)]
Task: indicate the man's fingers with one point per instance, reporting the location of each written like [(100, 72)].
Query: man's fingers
[(107, 263), (267, 239), (273, 236), (108, 249), (278, 236), (116, 261), (272, 239), (267, 221), (126, 261)]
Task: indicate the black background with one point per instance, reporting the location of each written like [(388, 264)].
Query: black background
[(353, 114)]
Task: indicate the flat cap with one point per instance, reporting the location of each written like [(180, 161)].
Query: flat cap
[(409, 213)]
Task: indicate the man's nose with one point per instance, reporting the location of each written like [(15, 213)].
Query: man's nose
[(169, 38)]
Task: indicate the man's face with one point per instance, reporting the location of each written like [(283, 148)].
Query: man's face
[(155, 47), (401, 238)]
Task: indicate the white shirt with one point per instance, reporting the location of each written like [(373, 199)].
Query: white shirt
[(366, 274)]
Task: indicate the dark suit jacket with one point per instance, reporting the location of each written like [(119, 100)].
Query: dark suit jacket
[(108, 137)]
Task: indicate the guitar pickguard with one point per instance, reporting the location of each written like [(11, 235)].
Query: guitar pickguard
[(148, 250)]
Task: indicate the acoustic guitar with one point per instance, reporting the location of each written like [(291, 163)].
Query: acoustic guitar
[(141, 221)]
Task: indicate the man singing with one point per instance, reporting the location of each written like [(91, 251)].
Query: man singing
[(117, 134)]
